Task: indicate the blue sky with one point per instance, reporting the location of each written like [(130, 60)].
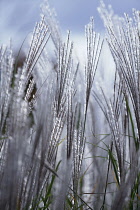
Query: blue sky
[(17, 17), (74, 14)]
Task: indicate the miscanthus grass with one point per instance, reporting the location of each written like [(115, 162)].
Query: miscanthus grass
[(65, 142)]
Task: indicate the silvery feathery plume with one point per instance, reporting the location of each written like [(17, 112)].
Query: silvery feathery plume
[(16, 124), (51, 19), (124, 43), (94, 46)]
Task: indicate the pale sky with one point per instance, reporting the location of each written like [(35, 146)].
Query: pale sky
[(74, 14), (18, 17)]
